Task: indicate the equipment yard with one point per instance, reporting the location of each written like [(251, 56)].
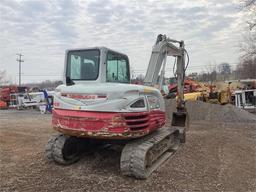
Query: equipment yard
[(131, 96), (219, 155)]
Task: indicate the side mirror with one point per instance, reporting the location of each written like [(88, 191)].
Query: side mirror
[(69, 81)]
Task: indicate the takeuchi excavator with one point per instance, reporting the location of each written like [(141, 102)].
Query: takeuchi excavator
[(98, 105)]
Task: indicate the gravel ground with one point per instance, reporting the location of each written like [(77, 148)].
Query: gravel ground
[(218, 156)]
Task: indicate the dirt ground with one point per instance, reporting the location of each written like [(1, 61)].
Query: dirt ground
[(216, 157)]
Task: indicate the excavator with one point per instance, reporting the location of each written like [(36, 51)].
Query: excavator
[(97, 105)]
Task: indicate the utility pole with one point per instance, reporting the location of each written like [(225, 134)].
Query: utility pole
[(19, 60)]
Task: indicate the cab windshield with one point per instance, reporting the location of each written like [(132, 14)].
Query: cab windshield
[(83, 64)]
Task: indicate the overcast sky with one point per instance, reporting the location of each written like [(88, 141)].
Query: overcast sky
[(42, 30)]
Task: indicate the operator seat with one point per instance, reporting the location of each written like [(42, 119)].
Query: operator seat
[(88, 71)]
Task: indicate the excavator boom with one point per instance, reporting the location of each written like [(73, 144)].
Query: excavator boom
[(164, 47)]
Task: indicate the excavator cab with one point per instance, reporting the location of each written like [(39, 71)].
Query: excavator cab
[(99, 64)]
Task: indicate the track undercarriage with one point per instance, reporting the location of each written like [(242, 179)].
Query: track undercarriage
[(139, 157), (142, 156)]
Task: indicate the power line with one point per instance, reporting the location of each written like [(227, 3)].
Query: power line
[(189, 67), (49, 75)]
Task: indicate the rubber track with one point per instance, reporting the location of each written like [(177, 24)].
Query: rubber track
[(54, 149), (133, 158), (49, 147)]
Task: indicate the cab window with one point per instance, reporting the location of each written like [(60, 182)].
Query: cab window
[(117, 68), (83, 64)]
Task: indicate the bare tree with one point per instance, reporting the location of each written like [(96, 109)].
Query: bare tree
[(247, 66), (211, 74), (47, 84), (247, 69), (250, 7), (224, 68), (248, 46)]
